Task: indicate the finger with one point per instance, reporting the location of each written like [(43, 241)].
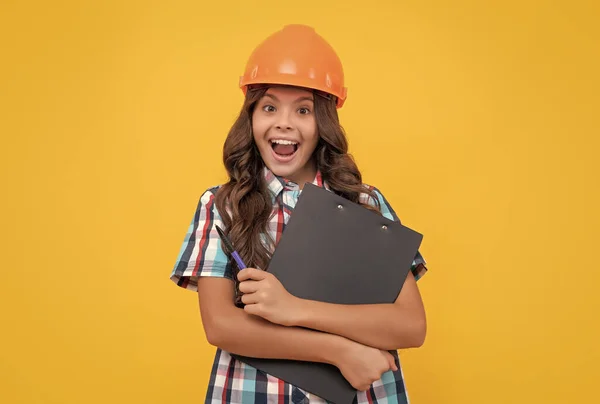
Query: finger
[(250, 298), (251, 273), (392, 362), (249, 286), (253, 309)]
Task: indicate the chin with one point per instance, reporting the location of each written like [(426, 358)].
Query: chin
[(285, 172)]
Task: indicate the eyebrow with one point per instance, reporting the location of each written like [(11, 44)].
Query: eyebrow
[(306, 98)]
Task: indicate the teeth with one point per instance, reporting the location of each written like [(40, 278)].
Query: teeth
[(281, 141)]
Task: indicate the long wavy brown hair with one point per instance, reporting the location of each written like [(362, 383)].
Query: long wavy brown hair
[(245, 203)]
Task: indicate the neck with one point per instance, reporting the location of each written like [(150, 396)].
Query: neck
[(307, 174)]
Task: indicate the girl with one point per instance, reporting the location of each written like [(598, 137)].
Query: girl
[(288, 134)]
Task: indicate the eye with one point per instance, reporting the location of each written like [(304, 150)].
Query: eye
[(268, 108), (304, 111)]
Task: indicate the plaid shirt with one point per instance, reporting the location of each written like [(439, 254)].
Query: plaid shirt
[(232, 381)]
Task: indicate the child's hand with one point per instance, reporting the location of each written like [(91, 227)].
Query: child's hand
[(264, 296), (363, 365)]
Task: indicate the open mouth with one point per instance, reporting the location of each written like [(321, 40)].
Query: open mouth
[(284, 149)]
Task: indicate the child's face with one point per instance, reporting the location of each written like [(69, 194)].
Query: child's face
[(285, 131)]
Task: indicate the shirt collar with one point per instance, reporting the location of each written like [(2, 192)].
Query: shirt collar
[(276, 184)]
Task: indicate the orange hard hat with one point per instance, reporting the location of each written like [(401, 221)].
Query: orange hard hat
[(297, 56)]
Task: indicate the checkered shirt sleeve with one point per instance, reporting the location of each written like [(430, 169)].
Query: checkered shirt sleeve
[(201, 253), (419, 265)]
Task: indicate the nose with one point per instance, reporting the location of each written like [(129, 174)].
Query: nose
[(284, 121)]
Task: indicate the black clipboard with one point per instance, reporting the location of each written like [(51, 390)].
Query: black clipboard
[(336, 251)]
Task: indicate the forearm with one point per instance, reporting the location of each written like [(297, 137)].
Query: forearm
[(247, 335), (383, 326)]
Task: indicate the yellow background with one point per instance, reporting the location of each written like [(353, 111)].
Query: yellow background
[(478, 121)]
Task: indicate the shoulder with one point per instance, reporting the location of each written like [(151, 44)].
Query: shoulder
[(207, 199), (374, 197), (209, 194)]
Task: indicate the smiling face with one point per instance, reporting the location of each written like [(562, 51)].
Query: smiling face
[(285, 130)]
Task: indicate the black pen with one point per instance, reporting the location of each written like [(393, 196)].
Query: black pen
[(229, 246)]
